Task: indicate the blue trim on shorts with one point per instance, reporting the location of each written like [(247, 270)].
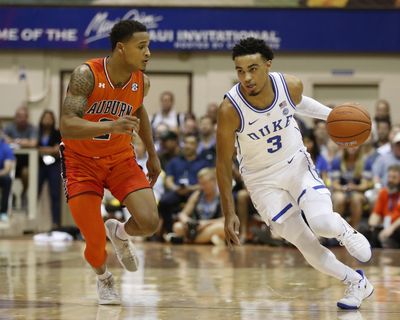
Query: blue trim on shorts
[(282, 212), (321, 186)]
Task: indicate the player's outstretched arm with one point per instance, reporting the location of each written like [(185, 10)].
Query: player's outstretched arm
[(227, 124), (306, 106), (72, 124)]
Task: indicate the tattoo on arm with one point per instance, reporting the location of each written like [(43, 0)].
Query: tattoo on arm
[(80, 87)]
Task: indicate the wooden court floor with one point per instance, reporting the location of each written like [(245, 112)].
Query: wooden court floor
[(188, 282)]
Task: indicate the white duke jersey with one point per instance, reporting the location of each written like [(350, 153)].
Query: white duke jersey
[(268, 136)]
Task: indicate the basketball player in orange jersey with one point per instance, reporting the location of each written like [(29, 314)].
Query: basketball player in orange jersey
[(256, 117), (101, 113)]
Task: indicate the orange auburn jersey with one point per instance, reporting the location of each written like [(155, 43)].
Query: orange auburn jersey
[(108, 103)]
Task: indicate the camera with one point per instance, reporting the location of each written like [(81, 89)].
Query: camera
[(192, 229)]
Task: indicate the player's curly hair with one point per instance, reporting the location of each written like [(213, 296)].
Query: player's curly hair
[(123, 31), (251, 46)]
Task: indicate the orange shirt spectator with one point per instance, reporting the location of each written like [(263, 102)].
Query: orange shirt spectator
[(388, 204)]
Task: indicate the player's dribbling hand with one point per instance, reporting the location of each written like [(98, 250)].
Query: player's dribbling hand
[(127, 125), (232, 224)]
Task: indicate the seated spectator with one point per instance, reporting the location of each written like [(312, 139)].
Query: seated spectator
[(350, 179), (169, 148), (167, 113), (321, 164), (321, 137), (141, 158), (190, 126), (212, 111), (383, 128), (384, 161), (160, 130), (384, 221), (206, 148), (49, 163), (22, 134), (7, 160), (200, 221), (381, 112), (181, 180)]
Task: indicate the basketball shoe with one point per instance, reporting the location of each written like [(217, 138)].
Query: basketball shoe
[(356, 292), (123, 248), (355, 242), (106, 291)]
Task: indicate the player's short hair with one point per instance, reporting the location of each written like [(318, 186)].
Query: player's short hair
[(124, 30), (252, 46)]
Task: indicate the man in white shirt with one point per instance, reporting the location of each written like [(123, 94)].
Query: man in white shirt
[(167, 113)]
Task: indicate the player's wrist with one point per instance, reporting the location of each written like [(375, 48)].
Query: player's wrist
[(109, 126)]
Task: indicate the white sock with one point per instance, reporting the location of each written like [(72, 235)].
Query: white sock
[(121, 233), (105, 275)]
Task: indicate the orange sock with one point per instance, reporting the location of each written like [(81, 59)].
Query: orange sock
[(85, 209)]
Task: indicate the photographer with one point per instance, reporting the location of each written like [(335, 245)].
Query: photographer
[(200, 220), (384, 221)]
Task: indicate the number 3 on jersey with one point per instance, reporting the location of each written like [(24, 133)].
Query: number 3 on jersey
[(106, 136), (275, 142)]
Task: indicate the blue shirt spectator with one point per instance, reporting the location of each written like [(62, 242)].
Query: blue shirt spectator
[(6, 163), (6, 153), (181, 180), (22, 134), (384, 161), (185, 171)]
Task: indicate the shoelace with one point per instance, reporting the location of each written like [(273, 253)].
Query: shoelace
[(126, 246), (108, 285), (346, 235), (352, 288), (341, 241)]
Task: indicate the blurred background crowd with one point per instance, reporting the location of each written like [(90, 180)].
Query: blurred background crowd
[(183, 104), (364, 181)]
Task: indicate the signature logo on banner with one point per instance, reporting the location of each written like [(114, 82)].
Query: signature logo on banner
[(100, 26)]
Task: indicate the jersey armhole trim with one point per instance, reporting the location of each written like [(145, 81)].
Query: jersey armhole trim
[(236, 106), (285, 87)]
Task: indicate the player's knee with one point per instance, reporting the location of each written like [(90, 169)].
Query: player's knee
[(243, 195), (150, 225), (326, 225), (95, 251)]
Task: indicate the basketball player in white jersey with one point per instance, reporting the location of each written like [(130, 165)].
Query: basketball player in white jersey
[(256, 117)]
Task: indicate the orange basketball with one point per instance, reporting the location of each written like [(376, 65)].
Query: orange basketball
[(349, 125)]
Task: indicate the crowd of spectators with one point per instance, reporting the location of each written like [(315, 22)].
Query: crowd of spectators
[(21, 134), (364, 181), (355, 176)]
